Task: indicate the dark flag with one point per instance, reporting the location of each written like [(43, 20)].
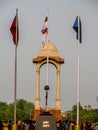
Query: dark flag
[(44, 31), (78, 27), (14, 29)]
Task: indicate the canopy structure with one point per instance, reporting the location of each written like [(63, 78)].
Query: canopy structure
[(50, 51)]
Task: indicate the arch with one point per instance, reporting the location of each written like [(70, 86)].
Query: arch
[(40, 60), (50, 61)]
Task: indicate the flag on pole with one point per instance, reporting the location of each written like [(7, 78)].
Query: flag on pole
[(78, 28), (46, 20), (45, 31), (14, 29)]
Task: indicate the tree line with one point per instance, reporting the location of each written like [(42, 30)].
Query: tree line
[(84, 114), (25, 110)]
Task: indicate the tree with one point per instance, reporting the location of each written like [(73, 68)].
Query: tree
[(24, 110), (86, 115), (74, 112), (3, 108), (90, 115)]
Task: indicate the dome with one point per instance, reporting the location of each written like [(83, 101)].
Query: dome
[(50, 49)]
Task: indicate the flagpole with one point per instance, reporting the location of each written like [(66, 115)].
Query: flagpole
[(45, 41), (47, 76), (15, 84), (78, 71), (15, 73), (47, 66)]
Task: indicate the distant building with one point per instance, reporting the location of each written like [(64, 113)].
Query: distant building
[(88, 107)]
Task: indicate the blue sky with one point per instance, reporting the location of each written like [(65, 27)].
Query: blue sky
[(61, 18)]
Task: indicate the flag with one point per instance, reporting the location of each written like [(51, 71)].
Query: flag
[(78, 27), (46, 19), (45, 26), (14, 30), (44, 31)]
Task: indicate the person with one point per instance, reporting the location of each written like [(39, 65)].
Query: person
[(1, 125), (31, 126), (58, 124), (90, 126), (96, 126), (5, 125), (9, 125), (86, 126), (65, 124), (26, 125)]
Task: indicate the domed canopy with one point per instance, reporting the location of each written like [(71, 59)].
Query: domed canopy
[(49, 49)]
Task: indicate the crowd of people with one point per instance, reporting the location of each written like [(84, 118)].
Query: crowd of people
[(61, 125), (70, 125), (25, 125)]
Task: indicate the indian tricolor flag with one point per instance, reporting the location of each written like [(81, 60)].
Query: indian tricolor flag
[(45, 31)]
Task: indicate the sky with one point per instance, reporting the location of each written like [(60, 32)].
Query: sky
[(62, 14)]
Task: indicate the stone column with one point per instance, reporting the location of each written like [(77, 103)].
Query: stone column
[(58, 102), (37, 100)]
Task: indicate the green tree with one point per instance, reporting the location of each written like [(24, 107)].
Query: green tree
[(3, 108), (10, 112), (90, 115), (74, 112), (86, 115), (24, 110)]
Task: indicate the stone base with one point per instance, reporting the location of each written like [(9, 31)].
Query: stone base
[(53, 111), (58, 115), (36, 113)]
